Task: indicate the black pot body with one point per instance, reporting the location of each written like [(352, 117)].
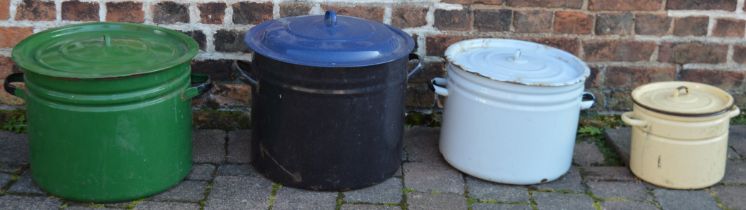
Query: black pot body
[(328, 128)]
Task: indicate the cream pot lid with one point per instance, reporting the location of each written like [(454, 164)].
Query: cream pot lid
[(518, 62), (682, 98)]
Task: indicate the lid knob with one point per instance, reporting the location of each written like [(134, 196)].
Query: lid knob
[(517, 57), (681, 90), (330, 18)]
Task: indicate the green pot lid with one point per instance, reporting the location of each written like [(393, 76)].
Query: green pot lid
[(103, 50)]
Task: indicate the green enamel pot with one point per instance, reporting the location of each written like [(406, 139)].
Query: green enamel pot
[(108, 109)]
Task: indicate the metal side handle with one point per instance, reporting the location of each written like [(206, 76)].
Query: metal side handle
[(417, 67), (244, 75), (15, 77), (438, 85), (632, 121), (587, 100), (200, 84)]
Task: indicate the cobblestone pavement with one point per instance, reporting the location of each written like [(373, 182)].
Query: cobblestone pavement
[(222, 179)]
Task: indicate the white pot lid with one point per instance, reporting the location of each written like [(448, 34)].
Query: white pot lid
[(682, 98), (519, 62)]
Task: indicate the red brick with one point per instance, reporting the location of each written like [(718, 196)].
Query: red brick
[(729, 5), (631, 77), (727, 80), (613, 23), (625, 5), (594, 79), (493, 20), (36, 10), (10, 36), (692, 52), (212, 13), (652, 24), (614, 50), (4, 9), (251, 12), (690, 26), (739, 54), (408, 16), (571, 45), (368, 12), (729, 28), (6, 66), (170, 12), (532, 21), (437, 45), (572, 4), (82, 11), (289, 9), (491, 2), (567, 22), (124, 12), (456, 20)]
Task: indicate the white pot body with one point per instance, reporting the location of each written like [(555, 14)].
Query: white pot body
[(509, 133)]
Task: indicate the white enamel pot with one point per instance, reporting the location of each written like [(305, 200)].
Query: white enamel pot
[(512, 109)]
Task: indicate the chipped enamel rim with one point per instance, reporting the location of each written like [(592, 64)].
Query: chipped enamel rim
[(572, 61)]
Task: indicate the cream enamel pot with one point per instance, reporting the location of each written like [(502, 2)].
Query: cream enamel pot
[(512, 110), (680, 133)]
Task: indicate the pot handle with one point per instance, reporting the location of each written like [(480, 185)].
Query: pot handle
[(200, 84), (587, 100), (417, 68), (438, 85), (735, 111), (629, 120), (15, 77), (243, 75)]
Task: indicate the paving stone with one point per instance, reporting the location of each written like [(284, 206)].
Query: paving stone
[(4, 179), (587, 154), (737, 139), (25, 185), (489, 206), (150, 205), (432, 177), (732, 154), (634, 191), (735, 172), (189, 191), (236, 170), (239, 192), (620, 139), (570, 181), (683, 199), (201, 172), (11, 167), (239, 146), (435, 201), (389, 191), (29, 202), (625, 205), (546, 200), (608, 173), (484, 190), (421, 144), (731, 196), (13, 148), (208, 146), (291, 198), (368, 207)]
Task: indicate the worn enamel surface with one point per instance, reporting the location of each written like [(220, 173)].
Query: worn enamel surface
[(680, 152), (518, 62), (507, 125)]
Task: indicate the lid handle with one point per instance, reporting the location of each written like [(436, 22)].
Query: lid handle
[(330, 18), (107, 40), (681, 90), (517, 57)]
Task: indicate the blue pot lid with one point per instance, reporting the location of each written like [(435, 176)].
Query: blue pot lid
[(329, 40)]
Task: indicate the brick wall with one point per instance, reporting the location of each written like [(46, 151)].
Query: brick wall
[(626, 42)]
